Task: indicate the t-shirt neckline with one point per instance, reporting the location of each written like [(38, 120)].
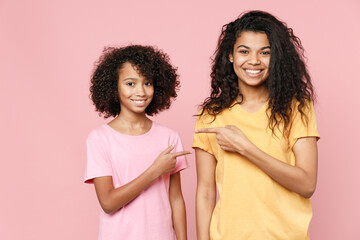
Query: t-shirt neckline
[(132, 136), (259, 111)]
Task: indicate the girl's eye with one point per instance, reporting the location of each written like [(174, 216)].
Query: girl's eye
[(244, 51), (265, 53), (148, 83), (130, 84)]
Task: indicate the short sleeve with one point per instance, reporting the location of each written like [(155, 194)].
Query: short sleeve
[(201, 140), (301, 128), (181, 162), (97, 164)]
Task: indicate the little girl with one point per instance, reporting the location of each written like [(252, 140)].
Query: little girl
[(134, 162)]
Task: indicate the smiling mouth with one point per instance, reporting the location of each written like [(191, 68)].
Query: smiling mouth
[(253, 71), (138, 102)]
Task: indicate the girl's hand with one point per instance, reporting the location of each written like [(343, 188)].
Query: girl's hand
[(230, 138), (166, 161), (112, 199)]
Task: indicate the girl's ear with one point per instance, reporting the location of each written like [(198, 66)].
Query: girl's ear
[(231, 59)]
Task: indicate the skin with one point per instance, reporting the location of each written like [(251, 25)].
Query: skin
[(249, 54), (135, 94), (251, 59), (177, 206), (205, 192)]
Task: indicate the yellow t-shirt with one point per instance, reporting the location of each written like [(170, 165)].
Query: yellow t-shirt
[(251, 205)]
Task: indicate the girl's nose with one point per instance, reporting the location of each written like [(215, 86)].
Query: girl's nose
[(140, 91)]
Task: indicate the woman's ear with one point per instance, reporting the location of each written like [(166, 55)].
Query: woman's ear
[(231, 59)]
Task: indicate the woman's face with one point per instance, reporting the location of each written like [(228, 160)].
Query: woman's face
[(251, 58), (135, 91)]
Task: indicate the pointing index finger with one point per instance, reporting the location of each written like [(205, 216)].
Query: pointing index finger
[(207, 130), (178, 154)]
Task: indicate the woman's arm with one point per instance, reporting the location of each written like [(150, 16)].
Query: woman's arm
[(205, 192), (177, 207), (300, 178), (112, 199)]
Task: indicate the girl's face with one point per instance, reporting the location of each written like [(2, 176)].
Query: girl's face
[(135, 91), (251, 58)]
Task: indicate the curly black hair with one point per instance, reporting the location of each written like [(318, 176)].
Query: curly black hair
[(151, 63), (288, 76)]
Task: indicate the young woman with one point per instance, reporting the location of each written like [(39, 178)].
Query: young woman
[(256, 135), (134, 162)]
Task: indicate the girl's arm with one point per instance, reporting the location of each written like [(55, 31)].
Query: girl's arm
[(300, 178), (205, 192), (177, 207), (112, 199)]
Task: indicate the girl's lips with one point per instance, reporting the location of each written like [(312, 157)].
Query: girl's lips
[(139, 103)]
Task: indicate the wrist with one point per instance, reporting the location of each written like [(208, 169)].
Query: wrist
[(154, 172), (245, 148)]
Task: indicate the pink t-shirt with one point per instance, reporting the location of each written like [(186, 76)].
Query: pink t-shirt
[(124, 157)]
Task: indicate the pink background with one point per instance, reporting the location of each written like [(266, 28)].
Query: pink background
[(47, 51)]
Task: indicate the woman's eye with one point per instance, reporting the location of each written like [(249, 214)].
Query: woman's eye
[(243, 51), (148, 84), (265, 53)]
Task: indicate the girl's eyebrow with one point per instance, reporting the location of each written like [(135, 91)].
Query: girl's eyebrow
[(244, 46), (135, 79), (130, 78)]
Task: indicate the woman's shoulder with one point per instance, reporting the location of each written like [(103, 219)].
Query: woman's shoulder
[(303, 112), (205, 114), (306, 106), (208, 115)]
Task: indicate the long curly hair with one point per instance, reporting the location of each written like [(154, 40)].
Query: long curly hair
[(151, 63), (288, 76)]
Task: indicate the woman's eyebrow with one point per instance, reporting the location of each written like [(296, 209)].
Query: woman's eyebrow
[(244, 46), (247, 47)]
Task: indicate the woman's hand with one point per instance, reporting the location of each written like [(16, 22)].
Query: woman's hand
[(300, 178), (230, 138)]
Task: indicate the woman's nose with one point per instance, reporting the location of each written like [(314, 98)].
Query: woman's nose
[(254, 59)]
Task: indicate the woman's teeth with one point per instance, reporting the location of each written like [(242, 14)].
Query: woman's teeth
[(253, 71)]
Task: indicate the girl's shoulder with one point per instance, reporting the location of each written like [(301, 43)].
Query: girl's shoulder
[(98, 132), (162, 129)]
